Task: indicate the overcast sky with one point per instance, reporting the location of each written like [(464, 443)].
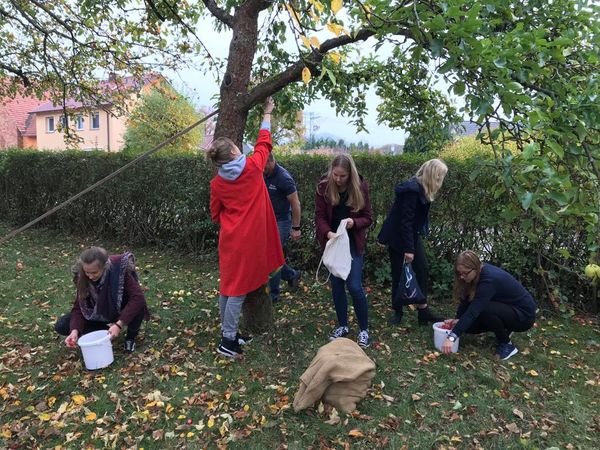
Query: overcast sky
[(202, 88)]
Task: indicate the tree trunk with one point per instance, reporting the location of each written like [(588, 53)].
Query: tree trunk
[(233, 113), (258, 311)]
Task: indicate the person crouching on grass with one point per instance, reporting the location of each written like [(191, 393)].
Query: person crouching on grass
[(490, 299), (109, 297), (249, 245)]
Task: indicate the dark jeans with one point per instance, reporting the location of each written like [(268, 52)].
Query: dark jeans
[(501, 319), (63, 326), (419, 266), (354, 285), (286, 273)]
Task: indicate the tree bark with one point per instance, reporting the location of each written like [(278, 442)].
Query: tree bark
[(257, 312), (233, 112)]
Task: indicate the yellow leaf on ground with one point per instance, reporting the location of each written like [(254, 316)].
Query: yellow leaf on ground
[(211, 422), (533, 373), (306, 75), (78, 399), (45, 417), (91, 416), (336, 5), (355, 433)]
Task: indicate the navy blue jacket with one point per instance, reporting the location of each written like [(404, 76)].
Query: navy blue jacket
[(495, 285), (408, 217)]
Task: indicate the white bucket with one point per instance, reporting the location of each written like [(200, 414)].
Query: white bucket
[(96, 349), (439, 337)]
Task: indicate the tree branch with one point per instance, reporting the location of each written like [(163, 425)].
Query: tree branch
[(19, 73), (219, 13), (294, 72)]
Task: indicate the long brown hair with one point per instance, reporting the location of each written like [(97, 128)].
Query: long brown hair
[(88, 256), (431, 176), (356, 200), (463, 290)]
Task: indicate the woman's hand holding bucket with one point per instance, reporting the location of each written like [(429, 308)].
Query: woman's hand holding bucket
[(114, 330)]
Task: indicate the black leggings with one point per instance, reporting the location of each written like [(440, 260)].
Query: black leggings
[(501, 319), (63, 326), (419, 266)]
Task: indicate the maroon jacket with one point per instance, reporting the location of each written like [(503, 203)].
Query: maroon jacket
[(136, 302), (324, 216)]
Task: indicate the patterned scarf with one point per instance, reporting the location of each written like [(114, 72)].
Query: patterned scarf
[(105, 297)]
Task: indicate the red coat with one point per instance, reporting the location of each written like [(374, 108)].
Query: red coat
[(249, 245)]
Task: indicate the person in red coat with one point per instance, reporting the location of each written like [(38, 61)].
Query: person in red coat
[(249, 245), (343, 194)]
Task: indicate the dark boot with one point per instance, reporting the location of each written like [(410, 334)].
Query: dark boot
[(396, 318), (426, 315)]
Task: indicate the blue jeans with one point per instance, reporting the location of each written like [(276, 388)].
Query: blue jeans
[(286, 272), (354, 285)]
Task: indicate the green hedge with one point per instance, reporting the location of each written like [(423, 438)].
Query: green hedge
[(164, 201)]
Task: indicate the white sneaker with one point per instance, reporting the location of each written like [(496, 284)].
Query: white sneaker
[(338, 333), (363, 338)]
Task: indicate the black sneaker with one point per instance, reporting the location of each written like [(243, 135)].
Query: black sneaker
[(295, 282), (230, 348), (129, 346), (506, 350), (243, 340), (395, 319)]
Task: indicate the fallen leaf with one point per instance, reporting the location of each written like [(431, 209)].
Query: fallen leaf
[(533, 373), (518, 413), (78, 399), (355, 433), (513, 428)]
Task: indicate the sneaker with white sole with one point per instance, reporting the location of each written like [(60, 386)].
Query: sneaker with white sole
[(243, 339), (363, 339), (506, 350), (230, 348), (339, 332), (129, 345)]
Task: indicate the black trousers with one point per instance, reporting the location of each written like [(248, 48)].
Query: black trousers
[(63, 326), (419, 265), (501, 319)]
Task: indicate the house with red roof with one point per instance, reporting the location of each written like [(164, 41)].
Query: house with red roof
[(17, 124), (28, 122)]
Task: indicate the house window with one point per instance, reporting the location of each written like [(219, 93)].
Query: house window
[(80, 123), (50, 124), (95, 125)]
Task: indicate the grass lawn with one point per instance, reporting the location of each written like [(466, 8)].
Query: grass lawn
[(176, 392)]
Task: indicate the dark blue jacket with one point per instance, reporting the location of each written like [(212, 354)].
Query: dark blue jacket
[(408, 217), (495, 285)]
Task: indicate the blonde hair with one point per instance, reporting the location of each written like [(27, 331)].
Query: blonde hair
[(431, 176), (356, 200), (88, 256), (463, 290), (220, 151)]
